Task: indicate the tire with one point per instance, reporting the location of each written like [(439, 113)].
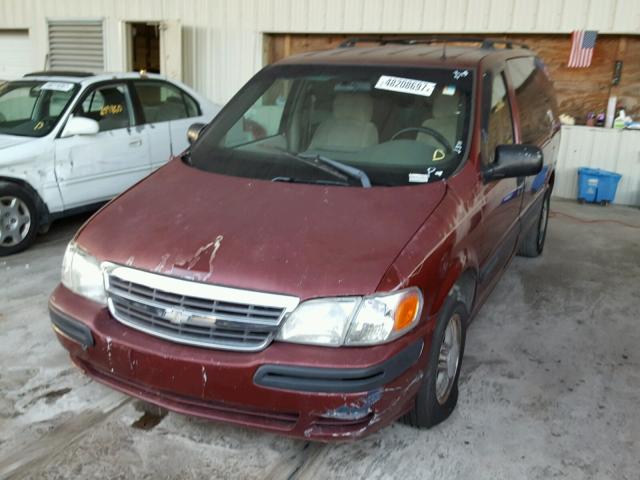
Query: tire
[(432, 403), (532, 244), (18, 219)]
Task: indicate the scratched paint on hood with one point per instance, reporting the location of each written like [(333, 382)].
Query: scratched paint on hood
[(304, 240)]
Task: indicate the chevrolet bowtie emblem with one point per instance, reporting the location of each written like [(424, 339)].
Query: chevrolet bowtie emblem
[(180, 317), (177, 317)]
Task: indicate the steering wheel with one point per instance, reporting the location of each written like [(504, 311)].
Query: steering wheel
[(429, 131)]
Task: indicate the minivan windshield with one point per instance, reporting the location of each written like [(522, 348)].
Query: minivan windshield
[(329, 124), (33, 108)]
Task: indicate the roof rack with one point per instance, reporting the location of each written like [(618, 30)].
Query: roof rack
[(485, 42), (58, 73)]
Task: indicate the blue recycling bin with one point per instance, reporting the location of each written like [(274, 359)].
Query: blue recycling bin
[(596, 185)]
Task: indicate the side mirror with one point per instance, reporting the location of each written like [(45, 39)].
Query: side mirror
[(194, 132), (80, 126), (514, 161)]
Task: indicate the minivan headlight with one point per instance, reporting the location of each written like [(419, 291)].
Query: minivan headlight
[(81, 273), (369, 320)]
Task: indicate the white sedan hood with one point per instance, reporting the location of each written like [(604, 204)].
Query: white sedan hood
[(7, 141)]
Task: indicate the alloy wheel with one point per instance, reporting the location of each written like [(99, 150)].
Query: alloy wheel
[(15, 221), (448, 358), (544, 220)]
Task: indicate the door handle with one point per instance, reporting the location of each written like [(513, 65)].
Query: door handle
[(135, 143)]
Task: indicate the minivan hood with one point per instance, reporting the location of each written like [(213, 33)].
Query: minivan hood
[(298, 239), (7, 141)]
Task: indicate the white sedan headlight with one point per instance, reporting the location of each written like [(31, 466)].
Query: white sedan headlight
[(81, 273), (366, 320)]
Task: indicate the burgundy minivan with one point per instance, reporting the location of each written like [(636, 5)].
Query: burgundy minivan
[(310, 265)]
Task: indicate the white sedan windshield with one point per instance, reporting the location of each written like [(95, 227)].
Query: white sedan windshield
[(33, 108)]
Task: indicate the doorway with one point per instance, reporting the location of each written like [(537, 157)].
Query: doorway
[(144, 47)]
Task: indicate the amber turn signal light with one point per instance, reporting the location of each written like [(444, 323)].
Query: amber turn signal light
[(406, 311)]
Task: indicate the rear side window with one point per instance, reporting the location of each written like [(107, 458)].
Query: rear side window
[(499, 121), (163, 102), (534, 94)]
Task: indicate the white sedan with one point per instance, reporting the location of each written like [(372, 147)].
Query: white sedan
[(70, 141)]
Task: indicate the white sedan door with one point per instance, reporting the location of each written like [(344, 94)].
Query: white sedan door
[(95, 168), (168, 113)]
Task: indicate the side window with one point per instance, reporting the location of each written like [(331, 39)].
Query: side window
[(499, 120), (109, 105), (534, 95), (163, 102), (57, 102), (264, 117), (192, 107)]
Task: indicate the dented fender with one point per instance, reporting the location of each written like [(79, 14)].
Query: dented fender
[(443, 248), (30, 162)]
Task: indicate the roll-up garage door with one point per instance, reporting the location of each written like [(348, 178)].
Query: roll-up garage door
[(15, 54), (76, 45)]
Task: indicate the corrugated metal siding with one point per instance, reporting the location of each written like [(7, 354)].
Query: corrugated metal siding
[(76, 45), (613, 150), (223, 38)]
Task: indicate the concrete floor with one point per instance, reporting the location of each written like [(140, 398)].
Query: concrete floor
[(550, 384)]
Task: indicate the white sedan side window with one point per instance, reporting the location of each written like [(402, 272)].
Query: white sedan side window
[(109, 105), (163, 102)]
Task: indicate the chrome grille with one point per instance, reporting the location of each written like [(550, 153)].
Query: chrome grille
[(195, 313)]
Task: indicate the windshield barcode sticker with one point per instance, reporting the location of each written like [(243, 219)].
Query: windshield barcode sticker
[(405, 85), (57, 86), (419, 177), (425, 177)]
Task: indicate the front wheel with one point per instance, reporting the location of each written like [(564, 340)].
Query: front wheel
[(533, 242), (438, 394), (18, 219)]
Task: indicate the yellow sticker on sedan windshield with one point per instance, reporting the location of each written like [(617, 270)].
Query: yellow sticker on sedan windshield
[(405, 85)]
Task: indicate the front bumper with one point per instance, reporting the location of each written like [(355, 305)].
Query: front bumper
[(317, 393)]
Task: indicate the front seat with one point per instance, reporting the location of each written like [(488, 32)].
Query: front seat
[(349, 128), (444, 121)]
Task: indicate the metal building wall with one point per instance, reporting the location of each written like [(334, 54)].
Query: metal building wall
[(609, 149), (223, 39), (223, 44)]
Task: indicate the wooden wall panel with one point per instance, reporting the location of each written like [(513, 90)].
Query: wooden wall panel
[(628, 91), (579, 90)]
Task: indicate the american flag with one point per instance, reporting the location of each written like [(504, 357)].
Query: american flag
[(582, 45)]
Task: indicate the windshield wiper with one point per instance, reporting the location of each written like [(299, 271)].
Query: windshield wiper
[(353, 172), (329, 165), (300, 180)]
